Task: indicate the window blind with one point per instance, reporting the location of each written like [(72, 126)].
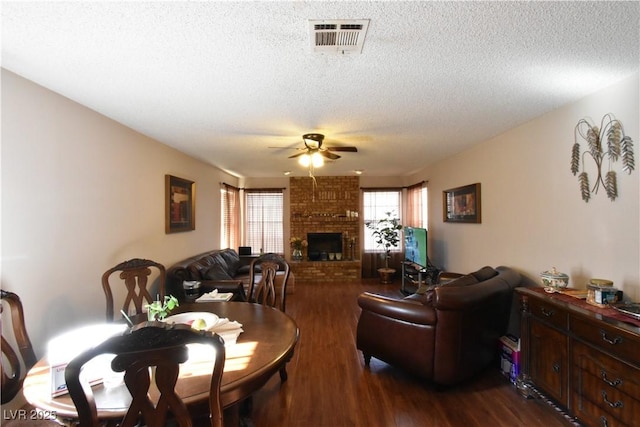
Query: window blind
[(376, 204), (264, 220)]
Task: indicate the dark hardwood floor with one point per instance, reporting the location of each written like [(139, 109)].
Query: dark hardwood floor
[(329, 386)]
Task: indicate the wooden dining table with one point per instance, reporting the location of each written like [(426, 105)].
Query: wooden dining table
[(266, 344)]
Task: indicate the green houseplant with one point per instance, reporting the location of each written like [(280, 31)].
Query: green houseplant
[(158, 310), (386, 233)]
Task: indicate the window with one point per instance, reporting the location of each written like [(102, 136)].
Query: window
[(376, 204), (265, 225), (229, 233)]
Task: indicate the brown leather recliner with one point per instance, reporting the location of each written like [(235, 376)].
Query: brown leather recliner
[(445, 333)]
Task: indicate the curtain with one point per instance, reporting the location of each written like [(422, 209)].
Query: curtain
[(416, 206), (230, 217)]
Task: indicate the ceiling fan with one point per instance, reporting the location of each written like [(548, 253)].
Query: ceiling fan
[(313, 151)]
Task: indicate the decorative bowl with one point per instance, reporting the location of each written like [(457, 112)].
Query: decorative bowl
[(554, 279), (210, 319)]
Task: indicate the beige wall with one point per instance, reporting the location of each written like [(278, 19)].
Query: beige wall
[(81, 193), (533, 217)]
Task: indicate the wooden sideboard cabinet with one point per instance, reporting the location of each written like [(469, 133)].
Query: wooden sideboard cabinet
[(585, 358)]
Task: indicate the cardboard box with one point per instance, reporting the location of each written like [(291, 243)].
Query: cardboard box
[(509, 350)]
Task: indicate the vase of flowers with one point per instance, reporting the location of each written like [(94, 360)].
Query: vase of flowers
[(297, 246)]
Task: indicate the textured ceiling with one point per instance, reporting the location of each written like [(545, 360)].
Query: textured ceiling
[(224, 81)]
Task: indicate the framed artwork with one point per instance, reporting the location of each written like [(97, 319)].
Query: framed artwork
[(462, 204), (180, 209)]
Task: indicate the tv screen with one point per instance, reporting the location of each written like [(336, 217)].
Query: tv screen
[(415, 246)]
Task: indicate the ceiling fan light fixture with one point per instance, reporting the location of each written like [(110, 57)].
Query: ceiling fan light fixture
[(313, 154), (317, 160), (313, 158), (304, 160), (313, 141)]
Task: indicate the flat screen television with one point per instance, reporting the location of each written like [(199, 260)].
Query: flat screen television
[(415, 246)]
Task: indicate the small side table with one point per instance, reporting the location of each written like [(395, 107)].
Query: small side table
[(246, 259)]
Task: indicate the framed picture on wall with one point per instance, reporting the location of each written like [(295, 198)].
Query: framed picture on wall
[(180, 209), (462, 204)]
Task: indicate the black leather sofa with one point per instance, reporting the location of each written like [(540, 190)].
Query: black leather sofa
[(221, 269)]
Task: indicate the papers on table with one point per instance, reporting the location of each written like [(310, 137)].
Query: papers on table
[(229, 330), (65, 347), (215, 296)]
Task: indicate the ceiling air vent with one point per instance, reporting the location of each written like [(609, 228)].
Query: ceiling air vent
[(338, 36)]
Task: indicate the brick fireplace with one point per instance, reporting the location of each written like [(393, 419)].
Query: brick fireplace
[(329, 208)]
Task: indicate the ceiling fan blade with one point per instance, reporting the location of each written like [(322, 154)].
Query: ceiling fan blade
[(348, 149), (329, 155), (297, 155)]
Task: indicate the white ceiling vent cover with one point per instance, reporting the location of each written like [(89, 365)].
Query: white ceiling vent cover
[(337, 36)]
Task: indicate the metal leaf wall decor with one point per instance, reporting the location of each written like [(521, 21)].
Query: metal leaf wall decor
[(606, 144)]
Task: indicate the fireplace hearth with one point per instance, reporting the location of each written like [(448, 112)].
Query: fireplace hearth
[(321, 245)]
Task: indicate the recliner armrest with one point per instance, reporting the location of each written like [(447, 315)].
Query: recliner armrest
[(448, 276), (404, 310)]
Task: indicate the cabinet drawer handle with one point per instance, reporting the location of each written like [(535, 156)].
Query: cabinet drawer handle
[(604, 422), (556, 368), (616, 340), (617, 404), (615, 383), (547, 313)]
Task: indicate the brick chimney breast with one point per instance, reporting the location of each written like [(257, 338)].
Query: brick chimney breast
[(331, 207)]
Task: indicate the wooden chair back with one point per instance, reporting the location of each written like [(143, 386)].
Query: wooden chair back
[(15, 362), (135, 274), (266, 267), (150, 344)]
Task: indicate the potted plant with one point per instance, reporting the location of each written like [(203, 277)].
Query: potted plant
[(386, 233), (158, 310)]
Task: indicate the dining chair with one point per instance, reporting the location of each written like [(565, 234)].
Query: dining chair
[(135, 274), (270, 270), (149, 345), (13, 362), (17, 358)]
